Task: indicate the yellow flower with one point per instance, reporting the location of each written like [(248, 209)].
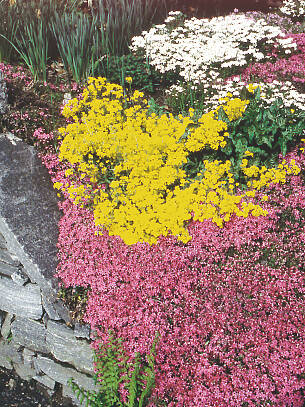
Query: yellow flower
[(150, 193), (128, 79), (248, 154)]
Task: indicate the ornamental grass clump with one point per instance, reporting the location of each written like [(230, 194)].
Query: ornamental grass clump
[(8, 28), (120, 20), (138, 172), (78, 42)]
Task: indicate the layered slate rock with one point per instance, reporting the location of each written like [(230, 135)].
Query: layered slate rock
[(29, 222), (64, 346), (38, 338), (22, 301), (31, 334), (62, 374)]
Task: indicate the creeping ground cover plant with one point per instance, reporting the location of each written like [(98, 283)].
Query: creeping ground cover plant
[(141, 173), (228, 304)]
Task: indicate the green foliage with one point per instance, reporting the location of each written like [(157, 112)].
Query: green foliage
[(8, 28), (264, 130), (25, 28), (78, 43), (120, 20), (154, 107), (191, 97), (116, 68), (30, 39), (112, 369)]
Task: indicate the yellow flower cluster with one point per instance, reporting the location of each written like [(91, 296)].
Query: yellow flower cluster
[(149, 194), (264, 176), (233, 108)]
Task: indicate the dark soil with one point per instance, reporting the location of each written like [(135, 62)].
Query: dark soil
[(15, 392)]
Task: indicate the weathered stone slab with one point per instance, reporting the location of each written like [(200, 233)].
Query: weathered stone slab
[(6, 327), (66, 348), (30, 333), (5, 362), (21, 301), (2, 242), (28, 356), (19, 277), (5, 257), (29, 223), (67, 392), (11, 351), (50, 308), (7, 269), (62, 374), (45, 381), (23, 371), (82, 331)]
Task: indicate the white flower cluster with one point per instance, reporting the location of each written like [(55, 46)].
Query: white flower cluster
[(293, 8), (269, 92), (201, 46)]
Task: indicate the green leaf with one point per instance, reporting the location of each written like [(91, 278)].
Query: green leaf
[(257, 93), (222, 115)]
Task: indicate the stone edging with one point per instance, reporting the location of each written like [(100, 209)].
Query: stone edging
[(37, 338)]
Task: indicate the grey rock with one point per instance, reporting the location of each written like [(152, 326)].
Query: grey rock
[(21, 301), (82, 331), (66, 348), (5, 362), (62, 374), (28, 356), (29, 223), (45, 381), (3, 95), (2, 242), (6, 257), (50, 308), (7, 269), (68, 393), (2, 318), (36, 367), (19, 277), (6, 327), (11, 351), (24, 372), (30, 333)]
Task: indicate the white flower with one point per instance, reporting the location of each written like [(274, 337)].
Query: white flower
[(199, 44), (293, 8)]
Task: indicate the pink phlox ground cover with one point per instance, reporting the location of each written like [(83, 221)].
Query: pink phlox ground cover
[(283, 69), (229, 305)]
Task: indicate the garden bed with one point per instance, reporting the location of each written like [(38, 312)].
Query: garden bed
[(190, 246)]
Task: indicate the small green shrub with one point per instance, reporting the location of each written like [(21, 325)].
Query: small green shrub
[(263, 130), (112, 369)]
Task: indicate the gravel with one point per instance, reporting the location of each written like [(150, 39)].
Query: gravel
[(15, 392)]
